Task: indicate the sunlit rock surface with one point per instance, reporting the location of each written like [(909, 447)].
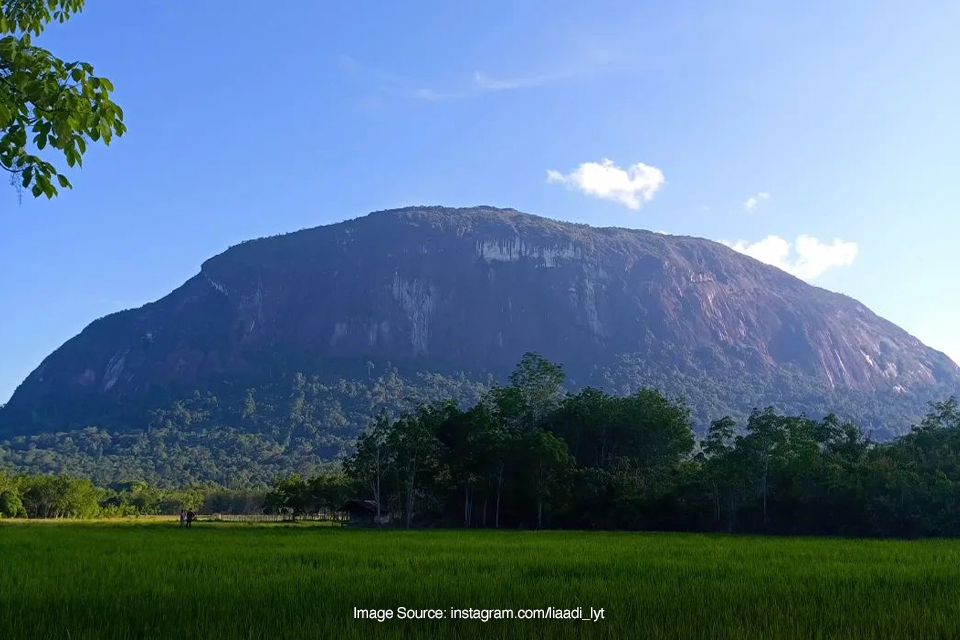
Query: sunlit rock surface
[(433, 288)]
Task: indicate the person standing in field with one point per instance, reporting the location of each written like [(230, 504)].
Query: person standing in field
[(183, 519), (191, 516)]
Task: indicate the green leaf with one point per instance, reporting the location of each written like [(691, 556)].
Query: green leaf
[(53, 106)]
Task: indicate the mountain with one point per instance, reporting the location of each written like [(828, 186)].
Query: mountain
[(452, 297)]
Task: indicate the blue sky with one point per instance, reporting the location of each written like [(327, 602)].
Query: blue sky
[(839, 120)]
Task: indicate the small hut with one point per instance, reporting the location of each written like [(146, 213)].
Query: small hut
[(364, 512)]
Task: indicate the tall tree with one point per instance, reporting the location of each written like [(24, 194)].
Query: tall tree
[(415, 447), (371, 460), (495, 443), (549, 463), (538, 386), (715, 453)]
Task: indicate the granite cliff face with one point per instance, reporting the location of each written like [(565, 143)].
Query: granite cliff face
[(430, 288)]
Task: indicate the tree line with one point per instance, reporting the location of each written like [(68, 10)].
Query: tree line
[(60, 496), (528, 454)]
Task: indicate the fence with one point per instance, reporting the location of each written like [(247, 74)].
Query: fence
[(322, 516)]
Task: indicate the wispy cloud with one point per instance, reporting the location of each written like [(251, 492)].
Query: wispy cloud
[(751, 203), (584, 63), (482, 83), (630, 187), (587, 63), (807, 257)]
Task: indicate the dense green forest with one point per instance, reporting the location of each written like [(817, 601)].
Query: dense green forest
[(527, 454), (248, 433), (236, 435)]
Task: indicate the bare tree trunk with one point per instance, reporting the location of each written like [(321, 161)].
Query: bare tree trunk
[(376, 497), (731, 520), (716, 503), (408, 516), (410, 489), (409, 509), (499, 489), (378, 471), (486, 498), (540, 494), (766, 467)]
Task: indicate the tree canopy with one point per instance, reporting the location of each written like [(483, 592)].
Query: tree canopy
[(46, 102)]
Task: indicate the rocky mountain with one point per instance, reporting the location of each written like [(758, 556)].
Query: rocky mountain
[(442, 291)]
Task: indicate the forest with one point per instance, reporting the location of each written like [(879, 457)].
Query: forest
[(247, 433), (529, 455)]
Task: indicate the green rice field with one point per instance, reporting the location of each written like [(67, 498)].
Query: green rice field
[(153, 580)]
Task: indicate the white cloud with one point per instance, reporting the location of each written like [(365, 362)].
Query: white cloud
[(630, 187), (806, 258), (751, 203), (483, 83)]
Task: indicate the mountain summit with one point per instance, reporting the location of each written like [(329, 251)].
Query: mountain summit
[(433, 289)]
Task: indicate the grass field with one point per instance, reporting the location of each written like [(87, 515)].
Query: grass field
[(152, 580)]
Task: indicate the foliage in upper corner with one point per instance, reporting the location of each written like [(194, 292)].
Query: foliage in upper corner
[(45, 101)]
